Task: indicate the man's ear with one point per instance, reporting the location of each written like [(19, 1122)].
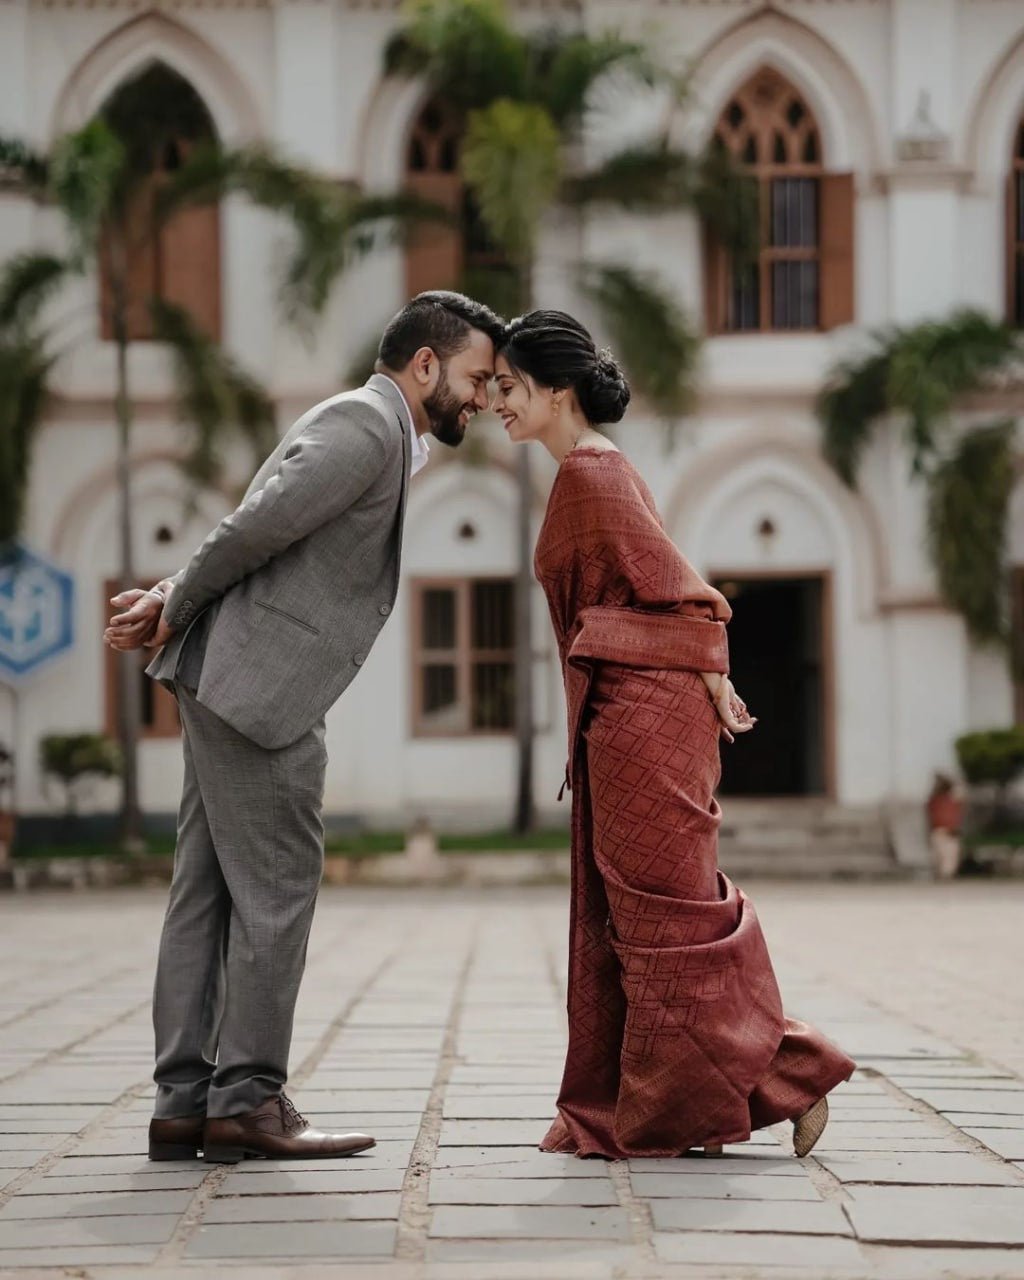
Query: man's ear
[(423, 365)]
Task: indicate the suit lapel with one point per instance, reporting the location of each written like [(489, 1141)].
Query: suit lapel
[(396, 401)]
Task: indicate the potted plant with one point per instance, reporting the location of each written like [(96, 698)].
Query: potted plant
[(7, 815), (71, 758), (993, 760)]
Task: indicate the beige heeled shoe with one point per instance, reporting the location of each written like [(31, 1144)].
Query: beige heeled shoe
[(809, 1128), (712, 1149)]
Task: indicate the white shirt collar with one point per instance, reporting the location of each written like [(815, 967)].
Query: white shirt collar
[(420, 448)]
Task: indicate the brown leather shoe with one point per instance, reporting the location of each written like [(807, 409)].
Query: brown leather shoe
[(276, 1130), (177, 1139)]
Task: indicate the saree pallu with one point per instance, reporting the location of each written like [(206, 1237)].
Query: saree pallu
[(677, 1035)]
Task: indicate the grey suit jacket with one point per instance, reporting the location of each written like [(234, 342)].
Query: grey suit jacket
[(304, 573)]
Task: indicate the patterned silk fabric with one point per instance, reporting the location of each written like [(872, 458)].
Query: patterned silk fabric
[(676, 1032)]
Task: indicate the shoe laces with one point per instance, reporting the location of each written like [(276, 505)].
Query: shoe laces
[(293, 1118)]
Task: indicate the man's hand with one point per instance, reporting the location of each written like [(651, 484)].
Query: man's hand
[(141, 623), (732, 710)]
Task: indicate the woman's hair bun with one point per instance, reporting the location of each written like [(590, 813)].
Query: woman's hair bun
[(603, 392)]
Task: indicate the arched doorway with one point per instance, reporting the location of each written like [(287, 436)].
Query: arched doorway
[(160, 119)]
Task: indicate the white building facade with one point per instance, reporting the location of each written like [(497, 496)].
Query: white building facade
[(862, 677)]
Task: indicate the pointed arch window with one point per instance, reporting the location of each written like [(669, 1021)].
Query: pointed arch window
[(440, 256), (161, 119), (1015, 232), (802, 278)]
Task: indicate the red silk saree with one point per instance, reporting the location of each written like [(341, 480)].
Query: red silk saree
[(677, 1036)]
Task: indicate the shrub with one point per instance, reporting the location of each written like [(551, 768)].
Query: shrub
[(71, 757), (995, 756)]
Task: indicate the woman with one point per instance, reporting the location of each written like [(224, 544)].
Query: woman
[(677, 1037)]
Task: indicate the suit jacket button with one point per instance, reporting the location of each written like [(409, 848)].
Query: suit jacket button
[(384, 610), (359, 659)]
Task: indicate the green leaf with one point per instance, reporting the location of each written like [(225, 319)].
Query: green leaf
[(215, 395), (650, 333), (87, 170), (511, 163), (24, 374), (27, 282), (851, 402), (565, 69), (21, 168), (465, 48), (968, 505)]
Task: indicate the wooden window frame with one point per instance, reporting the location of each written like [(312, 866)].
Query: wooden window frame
[(463, 657), (1017, 634), (1015, 232), (764, 103), (166, 722), (149, 275)]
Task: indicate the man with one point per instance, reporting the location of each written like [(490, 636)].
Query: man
[(260, 634)]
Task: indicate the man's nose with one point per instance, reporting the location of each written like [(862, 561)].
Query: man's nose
[(482, 398)]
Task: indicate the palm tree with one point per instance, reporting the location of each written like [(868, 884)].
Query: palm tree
[(524, 99), (149, 153), (918, 375)]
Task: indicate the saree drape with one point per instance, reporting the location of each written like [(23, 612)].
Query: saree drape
[(677, 1035)]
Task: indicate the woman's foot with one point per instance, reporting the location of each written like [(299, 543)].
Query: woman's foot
[(809, 1128)]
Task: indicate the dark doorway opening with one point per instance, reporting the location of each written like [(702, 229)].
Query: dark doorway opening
[(778, 653)]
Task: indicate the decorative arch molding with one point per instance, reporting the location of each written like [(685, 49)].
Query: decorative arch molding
[(851, 132), (724, 480), (156, 475), (387, 123), (995, 113), (155, 37)]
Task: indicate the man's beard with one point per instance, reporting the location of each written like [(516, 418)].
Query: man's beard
[(444, 410)]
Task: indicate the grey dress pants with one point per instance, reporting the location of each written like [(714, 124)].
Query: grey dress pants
[(247, 868)]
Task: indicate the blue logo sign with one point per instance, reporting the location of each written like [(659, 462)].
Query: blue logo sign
[(36, 612)]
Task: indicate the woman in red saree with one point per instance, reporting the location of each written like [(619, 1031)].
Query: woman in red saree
[(677, 1038)]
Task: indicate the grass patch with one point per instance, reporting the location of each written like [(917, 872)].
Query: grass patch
[(365, 844), (155, 845), (1012, 836), (504, 842)]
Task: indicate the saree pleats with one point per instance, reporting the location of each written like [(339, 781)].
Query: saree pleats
[(677, 1036)]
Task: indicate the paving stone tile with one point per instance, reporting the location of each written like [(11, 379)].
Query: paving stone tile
[(735, 1161), (500, 1107), (93, 1204), (1005, 1102), (923, 1263), (529, 1221), (76, 1256), (323, 1207), (179, 1178), (496, 1133), (1008, 1143), (72, 1166), (749, 1215), (504, 1259), (136, 1229), (517, 1162), (939, 1215), (267, 1240), (983, 1120), (446, 1189), (781, 1254), (923, 1168), (297, 1181), (740, 1186)]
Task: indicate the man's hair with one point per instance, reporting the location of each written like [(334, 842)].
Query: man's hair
[(440, 320)]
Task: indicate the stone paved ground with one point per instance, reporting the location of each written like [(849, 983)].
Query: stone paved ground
[(435, 1020)]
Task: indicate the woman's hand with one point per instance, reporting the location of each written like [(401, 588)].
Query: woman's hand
[(732, 710)]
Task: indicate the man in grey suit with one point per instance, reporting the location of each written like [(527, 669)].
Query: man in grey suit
[(259, 635)]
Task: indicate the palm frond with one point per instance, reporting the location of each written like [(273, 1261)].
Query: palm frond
[(27, 282), (968, 504), (87, 171), (727, 199), (934, 362), (916, 371), (650, 333), (565, 68), (24, 374), (215, 395), (638, 179), (511, 162), (465, 47), (854, 397), (21, 168)]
